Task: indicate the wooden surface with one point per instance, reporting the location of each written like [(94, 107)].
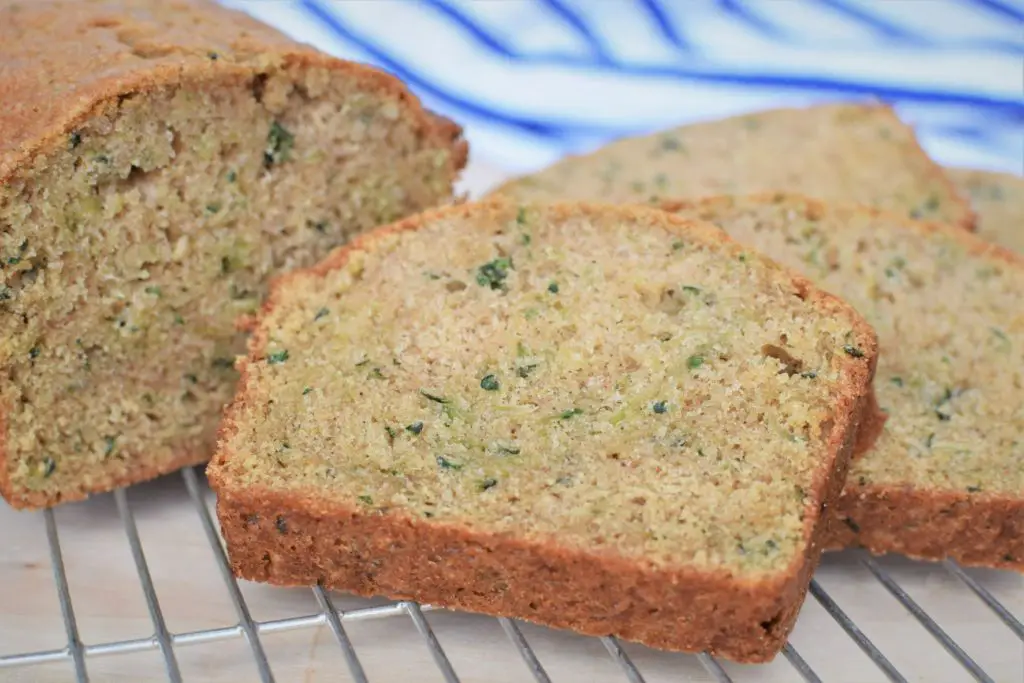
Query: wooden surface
[(109, 605)]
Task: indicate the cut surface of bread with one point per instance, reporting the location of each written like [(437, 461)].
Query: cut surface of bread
[(998, 201), (158, 160), (847, 152), (946, 476), (585, 416)]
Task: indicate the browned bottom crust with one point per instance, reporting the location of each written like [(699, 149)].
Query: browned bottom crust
[(973, 529), (295, 540)]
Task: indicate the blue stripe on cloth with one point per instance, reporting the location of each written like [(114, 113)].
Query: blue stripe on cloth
[(880, 25), (1013, 107), (561, 10), (665, 25), (466, 23), (716, 60), (1007, 10), (748, 16)]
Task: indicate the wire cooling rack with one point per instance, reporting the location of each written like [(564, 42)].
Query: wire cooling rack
[(994, 630)]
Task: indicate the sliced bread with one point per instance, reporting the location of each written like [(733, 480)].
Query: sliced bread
[(846, 152), (946, 476), (158, 160), (998, 200), (584, 416)]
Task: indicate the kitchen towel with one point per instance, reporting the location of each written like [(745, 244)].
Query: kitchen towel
[(533, 80)]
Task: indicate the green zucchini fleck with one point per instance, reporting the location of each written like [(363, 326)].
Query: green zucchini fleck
[(277, 357), (553, 287), (694, 362), (493, 273), (853, 351), (415, 427), (368, 500), (432, 397), (490, 383), (279, 145), (488, 483), (570, 413), (446, 464), (506, 447), (660, 407), (49, 466)]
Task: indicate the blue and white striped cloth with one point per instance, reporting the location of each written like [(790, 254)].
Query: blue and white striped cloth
[(532, 80)]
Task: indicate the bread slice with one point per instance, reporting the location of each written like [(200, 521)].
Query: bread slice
[(998, 199), (583, 416), (158, 160), (946, 477), (846, 152)]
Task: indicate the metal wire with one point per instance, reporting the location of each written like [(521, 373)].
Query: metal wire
[(620, 656), (855, 633), (714, 668), (799, 664), (163, 640), (163, 636), (339, 632), (525, 651), (947, 643), (1011, 621), (67, 611), (245, 619), (440, 658)]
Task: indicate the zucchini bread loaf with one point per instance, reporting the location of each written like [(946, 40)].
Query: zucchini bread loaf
[(846, 152), (157, 161), (946, 476), (587, 417), (998, 200)]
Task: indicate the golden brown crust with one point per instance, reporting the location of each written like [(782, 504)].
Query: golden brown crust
[(302, 538), (972, 243), (112, 49), (623, 168), (930, 525), (95, 54), (978, 530)]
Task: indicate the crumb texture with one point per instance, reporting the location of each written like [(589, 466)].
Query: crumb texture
[(134, 236), (833, 152), (613, 379), (998, 199), (948, 311)]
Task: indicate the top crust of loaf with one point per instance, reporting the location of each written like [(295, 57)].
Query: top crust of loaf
[(64, 60), (860, 153), (225, 473)]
